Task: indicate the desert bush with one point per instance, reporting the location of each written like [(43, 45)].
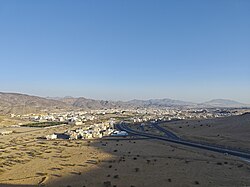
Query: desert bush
[(196, 182)]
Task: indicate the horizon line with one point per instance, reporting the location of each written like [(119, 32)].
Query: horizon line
[(162, 98)]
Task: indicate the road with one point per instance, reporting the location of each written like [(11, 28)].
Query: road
[(167, 133), (171, 137)]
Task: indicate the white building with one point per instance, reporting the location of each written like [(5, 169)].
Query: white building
[(51, 137), (119, 133)]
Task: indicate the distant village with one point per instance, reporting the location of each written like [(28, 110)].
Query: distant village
[(92, 132), (101, 123)]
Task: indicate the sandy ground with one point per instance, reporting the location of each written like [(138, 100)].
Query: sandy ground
[(6, 121), (26, 161), (230, 131)]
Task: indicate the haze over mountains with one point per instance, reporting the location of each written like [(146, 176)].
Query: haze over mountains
[(22, 103)]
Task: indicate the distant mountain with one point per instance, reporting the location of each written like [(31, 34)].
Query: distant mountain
[(159, 103), (224, 103), (68, 100), (82, 102), (85, 103), (22, 103)]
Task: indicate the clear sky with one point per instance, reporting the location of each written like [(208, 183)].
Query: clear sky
[(124, 49)]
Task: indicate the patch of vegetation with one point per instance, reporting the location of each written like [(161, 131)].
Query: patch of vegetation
[(219, 163), (107, 184), (1, 118), (196, 182), (1, 171), (240, 165), (41, 174), (43, 124), (137, 169)]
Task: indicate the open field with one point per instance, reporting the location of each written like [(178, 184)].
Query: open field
[(27, 161), (6, 121), (43, 124), (230, 131)]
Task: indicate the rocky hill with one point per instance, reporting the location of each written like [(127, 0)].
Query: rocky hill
[(94, 104), (22, 103), (225, 103), (159, 103)]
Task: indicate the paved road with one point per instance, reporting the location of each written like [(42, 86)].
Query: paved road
[(167, 133), (171, 137), (174, 136)]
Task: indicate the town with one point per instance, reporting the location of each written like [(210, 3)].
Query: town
[(95, 124)]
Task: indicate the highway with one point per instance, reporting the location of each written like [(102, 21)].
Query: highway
[(171, 137), (167, 133)]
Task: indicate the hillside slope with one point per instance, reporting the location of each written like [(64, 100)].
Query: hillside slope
[(229, 131), (225, 103), (22, 103)]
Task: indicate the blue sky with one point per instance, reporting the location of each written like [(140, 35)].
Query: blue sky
[(124, 49)]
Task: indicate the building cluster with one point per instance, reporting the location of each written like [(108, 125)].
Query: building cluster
[(179, 114), (71, 117), (92, 132), (93, 123), (136, 115)]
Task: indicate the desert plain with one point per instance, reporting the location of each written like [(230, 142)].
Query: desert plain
[(26, 160)]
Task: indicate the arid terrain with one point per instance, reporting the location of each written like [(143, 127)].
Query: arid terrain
[(26, 160), (23, 104), (124, 93), (6, 121), (231, 131)]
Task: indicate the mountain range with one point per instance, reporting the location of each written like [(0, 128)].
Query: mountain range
[(21, 103)]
